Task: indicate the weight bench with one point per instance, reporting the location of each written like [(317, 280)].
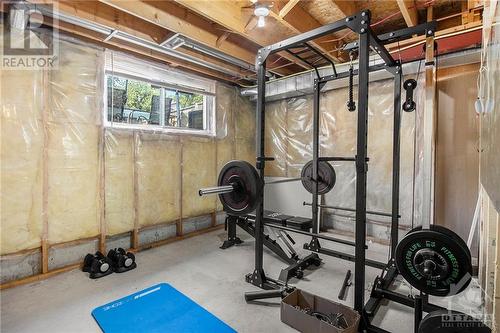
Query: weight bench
[(295, 222), (296, 264)]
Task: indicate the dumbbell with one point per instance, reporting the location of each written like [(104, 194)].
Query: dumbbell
[(122, 261), (97, 265)]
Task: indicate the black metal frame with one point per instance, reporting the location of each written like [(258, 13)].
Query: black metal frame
[(296, 265), (360, 24)]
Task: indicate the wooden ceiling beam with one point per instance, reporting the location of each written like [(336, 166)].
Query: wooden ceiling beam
[(347, 8), (171, 16), (176, 19), (299, 20), (288, 7), (231, 16), (409, 11), (393, 47), (97, 12), (112, 18), (140, 51)]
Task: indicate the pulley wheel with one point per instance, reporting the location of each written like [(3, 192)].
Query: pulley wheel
[(445, 321), (434, 262), (247, 187), (326, 177)]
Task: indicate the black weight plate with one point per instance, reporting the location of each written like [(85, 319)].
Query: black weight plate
[(326, 175), (448, 232), (247, 194), (449, 262), (444, 321)]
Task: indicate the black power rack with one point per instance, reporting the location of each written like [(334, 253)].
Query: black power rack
[(297, 46)]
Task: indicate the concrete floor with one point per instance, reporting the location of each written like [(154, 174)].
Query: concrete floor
[(196, 266)]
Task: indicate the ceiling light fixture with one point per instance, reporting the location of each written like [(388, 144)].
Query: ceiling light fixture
[(261, 22), (261, 12)]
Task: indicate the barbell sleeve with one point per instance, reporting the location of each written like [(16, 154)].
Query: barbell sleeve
[(216, 190), (262, 294)]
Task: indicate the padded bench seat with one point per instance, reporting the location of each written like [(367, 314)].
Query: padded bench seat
[(295, 222)]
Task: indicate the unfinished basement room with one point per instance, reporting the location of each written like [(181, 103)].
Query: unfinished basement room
[(252, 166)]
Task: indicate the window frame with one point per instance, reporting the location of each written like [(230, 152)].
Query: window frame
[(209, 104)]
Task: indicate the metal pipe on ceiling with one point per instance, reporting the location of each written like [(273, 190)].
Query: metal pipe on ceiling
[(210, 51), (100, 28)]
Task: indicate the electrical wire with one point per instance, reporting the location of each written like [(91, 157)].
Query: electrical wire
[(426, 4)]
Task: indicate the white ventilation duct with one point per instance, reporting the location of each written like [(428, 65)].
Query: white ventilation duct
[(302, 83)]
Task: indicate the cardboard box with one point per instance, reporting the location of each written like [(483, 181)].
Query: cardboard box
[(308, 324)]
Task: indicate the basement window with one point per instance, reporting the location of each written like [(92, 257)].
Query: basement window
[(140, 95)]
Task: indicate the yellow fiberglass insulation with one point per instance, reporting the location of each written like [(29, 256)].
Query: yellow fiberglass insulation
[(21, 154), (159, 175), (119, 181)]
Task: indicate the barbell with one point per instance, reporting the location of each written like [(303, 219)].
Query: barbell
[(240, 186)]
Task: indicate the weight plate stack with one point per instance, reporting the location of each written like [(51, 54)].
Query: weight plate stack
[(247, 188), (326, 175), (435, 261)]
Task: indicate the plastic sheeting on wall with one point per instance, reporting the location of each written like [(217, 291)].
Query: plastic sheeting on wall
[(158, 173), (198, 170), (53, 130), (119, 181), (225, 138), (22, 138), (244, 116), (299, 131), (275, 136), (457, 150), (289, 140), (73, 143), (489, 94), (235, 137)]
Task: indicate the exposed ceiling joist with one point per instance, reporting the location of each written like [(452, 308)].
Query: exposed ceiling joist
[(108, 16), (111, 18), (409, 11), (346, 7), (235, 19), (288, 7), (137, 50), (171, 16), (176, 19), (299, 20)]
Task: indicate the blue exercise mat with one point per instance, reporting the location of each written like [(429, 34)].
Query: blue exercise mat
[(160, 308)]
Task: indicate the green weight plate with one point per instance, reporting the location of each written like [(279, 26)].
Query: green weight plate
[(448, 232), (434, 262)]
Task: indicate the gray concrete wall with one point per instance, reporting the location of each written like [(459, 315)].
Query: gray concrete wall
[(157, 233), (378, 229), (14, 267), (196, 223), (64, 255), (18, 266)]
